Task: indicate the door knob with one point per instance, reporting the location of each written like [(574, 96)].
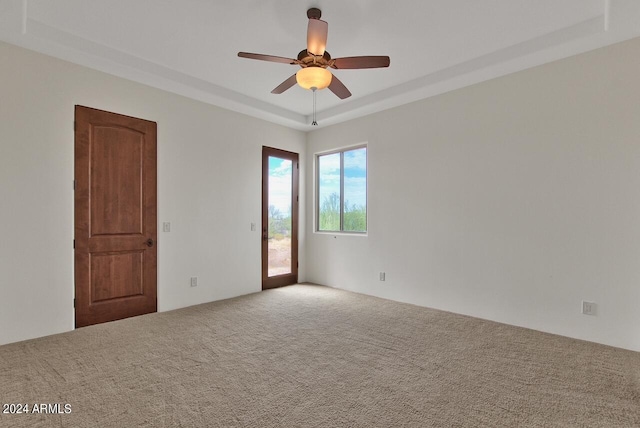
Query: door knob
[(149, 242)]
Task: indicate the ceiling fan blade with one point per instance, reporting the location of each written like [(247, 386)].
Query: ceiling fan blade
[(338, 88), (269, 58), (361, 62), (317, 36), (285, 85)]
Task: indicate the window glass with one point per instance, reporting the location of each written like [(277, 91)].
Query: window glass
[(342, 191), (329, 192), (355, 190)]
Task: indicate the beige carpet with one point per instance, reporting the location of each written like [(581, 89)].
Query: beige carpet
[(309, 356)]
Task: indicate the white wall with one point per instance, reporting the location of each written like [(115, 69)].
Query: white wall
[(209, 188), (511, 200)]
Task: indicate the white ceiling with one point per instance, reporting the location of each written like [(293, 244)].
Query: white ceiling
[(190, 46)]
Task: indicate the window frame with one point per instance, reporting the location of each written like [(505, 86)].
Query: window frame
[(317, 157)]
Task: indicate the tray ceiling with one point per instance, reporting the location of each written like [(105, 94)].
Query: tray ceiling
[(190, 47)]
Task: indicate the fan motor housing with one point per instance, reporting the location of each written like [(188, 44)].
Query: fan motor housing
[(308, 60)]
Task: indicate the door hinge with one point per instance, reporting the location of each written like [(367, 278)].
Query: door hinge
[(297, 198), (74, 184), (74, 302), (297, 165), (74, 244)]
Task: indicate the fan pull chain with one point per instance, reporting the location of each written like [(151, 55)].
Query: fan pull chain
[(314, 123)]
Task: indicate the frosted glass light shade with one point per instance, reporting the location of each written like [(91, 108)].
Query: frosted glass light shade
[(313, 77)]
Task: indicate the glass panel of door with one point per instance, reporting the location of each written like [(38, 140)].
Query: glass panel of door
[(279, 216)]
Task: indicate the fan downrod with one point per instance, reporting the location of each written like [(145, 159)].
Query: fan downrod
[(314, 13)]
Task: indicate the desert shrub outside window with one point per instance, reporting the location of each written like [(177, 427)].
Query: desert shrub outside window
[(341, 196)]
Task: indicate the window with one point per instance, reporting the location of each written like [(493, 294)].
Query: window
[(342, 191)]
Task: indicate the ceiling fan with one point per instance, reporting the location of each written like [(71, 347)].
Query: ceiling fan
[(314, 61)]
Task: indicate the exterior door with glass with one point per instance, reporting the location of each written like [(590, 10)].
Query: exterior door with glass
[(280, 171)]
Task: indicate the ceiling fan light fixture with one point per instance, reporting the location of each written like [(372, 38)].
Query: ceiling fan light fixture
[(313, 77), (314, 61)]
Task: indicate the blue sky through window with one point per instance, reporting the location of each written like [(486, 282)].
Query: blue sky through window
[(280, 182), (355, 179), (355, 176)]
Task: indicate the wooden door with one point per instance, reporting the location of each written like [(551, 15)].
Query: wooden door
[(115, 216), (280, 170)]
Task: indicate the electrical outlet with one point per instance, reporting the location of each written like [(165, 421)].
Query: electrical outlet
[(253, 227), (589, 308), (383, 276), (194, 281), (166, 226)]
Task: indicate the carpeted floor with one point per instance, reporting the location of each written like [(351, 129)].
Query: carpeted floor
[(310, 356)]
